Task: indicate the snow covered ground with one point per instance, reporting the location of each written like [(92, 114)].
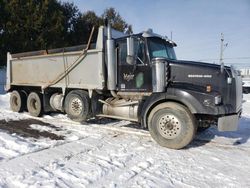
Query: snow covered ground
[(55, 152)]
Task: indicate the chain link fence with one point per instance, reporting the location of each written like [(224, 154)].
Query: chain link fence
[(2, 80)]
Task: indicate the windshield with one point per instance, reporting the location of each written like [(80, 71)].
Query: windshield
[(160, 48)]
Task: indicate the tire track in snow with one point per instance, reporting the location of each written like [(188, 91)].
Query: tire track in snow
[(145, 133), (69, 123), (126, 130), (40, 150), (201, 142), (135, 164), (28, 164)]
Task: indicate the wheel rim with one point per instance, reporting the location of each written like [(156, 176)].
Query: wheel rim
[(169, 126), (15, 101), (76, 106), (34, 104)]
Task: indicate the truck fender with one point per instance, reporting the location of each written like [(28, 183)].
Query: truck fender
[(173, 94)]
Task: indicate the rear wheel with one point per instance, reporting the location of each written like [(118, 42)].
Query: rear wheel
[(17, 101), (34, 104), (171, 125), (77, 105)]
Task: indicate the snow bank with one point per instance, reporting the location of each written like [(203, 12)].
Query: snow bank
[(4, 101)]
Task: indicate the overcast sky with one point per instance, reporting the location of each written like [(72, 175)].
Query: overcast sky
[(196, 24)]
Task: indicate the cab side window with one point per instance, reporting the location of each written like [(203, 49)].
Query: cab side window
[(139, 51), (122, 51)]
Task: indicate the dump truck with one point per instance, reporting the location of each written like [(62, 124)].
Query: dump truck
[(134, 77)]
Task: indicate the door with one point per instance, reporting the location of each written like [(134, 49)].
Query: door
[(135, 77)]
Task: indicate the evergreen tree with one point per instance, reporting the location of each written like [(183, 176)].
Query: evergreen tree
[(116, 20)]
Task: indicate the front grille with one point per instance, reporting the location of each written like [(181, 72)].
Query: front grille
[(167, 68)]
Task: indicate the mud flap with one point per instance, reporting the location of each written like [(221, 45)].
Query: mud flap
[(228, 123)]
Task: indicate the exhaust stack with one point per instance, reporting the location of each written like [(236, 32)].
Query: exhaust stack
[(111, 61)]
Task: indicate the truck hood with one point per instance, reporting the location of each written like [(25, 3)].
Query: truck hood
[(197, 64), (197, 74)]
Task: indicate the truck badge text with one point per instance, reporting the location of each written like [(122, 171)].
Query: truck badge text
[(128, 77)]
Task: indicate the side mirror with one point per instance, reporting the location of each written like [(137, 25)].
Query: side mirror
[(130, 60), (130, 51)]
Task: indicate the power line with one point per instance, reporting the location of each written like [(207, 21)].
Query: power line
[(211, 59), (237, 58)]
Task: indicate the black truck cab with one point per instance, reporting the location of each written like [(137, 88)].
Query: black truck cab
[(147, 64)]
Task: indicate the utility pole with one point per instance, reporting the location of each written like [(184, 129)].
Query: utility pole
[(222, 48), (221, 53)]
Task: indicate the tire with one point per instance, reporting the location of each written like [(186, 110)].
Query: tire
[(17, 101), (34, 104), (77, 105), (172, 125)]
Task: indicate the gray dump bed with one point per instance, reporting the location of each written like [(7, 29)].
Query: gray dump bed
[(73, 69)]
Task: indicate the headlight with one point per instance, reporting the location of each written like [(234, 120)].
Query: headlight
[(217, 100)]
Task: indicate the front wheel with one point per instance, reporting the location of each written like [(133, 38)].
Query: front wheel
[(171, 125), (77, 105)]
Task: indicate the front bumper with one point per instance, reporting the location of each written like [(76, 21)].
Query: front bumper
[(228, 123)]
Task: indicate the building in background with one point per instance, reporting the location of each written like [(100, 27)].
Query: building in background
[(245, 73)]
